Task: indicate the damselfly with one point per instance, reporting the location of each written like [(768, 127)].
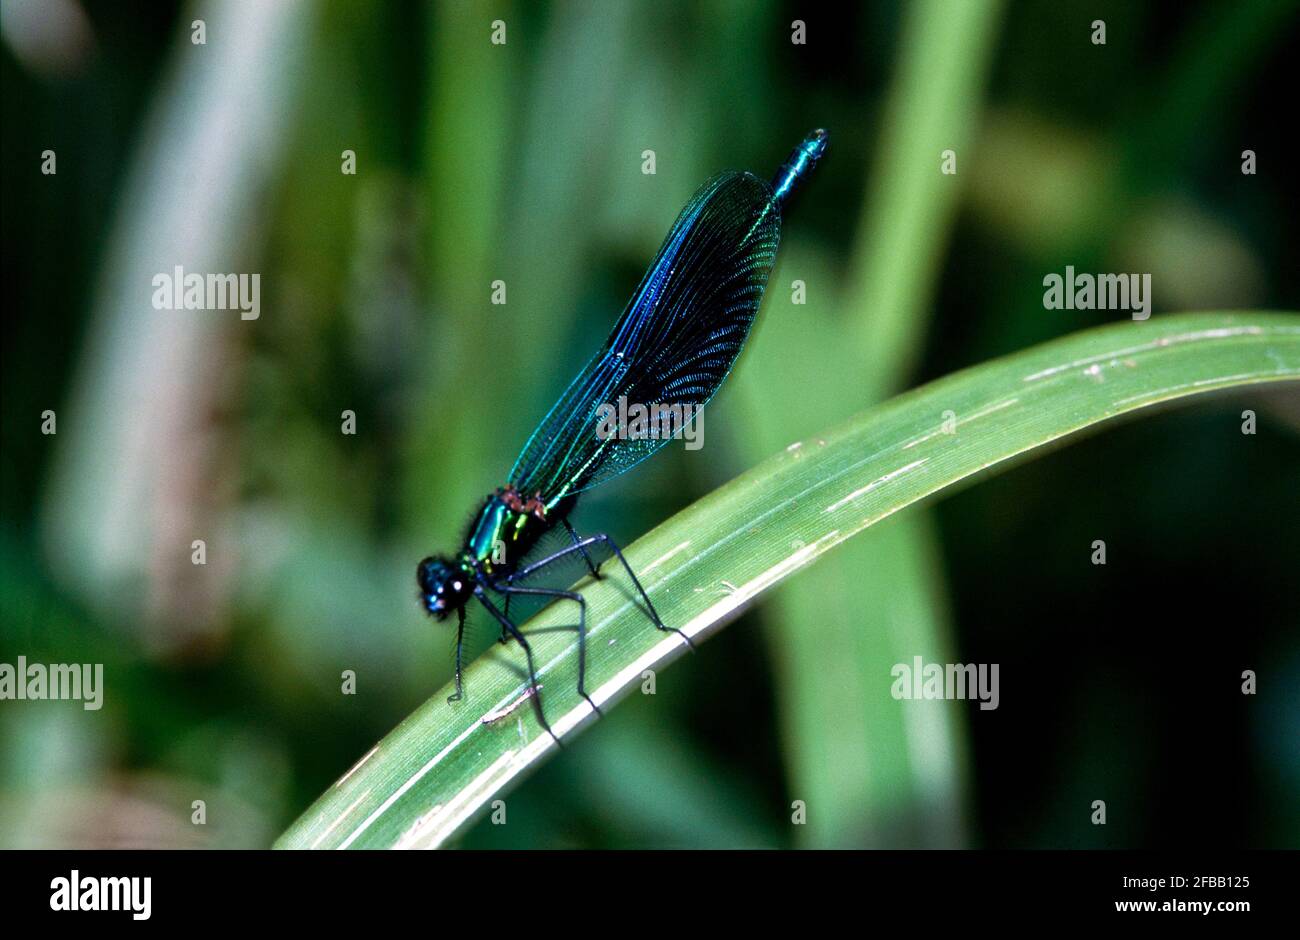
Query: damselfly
[(674, 344)]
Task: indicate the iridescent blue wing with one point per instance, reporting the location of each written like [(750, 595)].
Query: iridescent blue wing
[(675, 342)]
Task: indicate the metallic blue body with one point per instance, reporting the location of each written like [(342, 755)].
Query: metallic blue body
[(502, 535), (799, 165)]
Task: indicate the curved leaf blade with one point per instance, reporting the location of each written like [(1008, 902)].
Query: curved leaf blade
[(441, 767)]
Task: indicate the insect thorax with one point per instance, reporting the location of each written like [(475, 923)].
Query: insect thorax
[(507, 528)]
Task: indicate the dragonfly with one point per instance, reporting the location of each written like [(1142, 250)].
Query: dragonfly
[(673, 345)]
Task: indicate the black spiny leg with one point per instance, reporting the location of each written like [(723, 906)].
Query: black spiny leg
[(577, 543), (581, 545), (583, 548), (504, 637), (508, 589), (513, 631), (460, 643)]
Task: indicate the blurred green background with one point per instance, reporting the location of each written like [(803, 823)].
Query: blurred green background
[(523, 162)]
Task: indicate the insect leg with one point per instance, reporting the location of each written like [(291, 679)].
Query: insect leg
[(541, 563), (510, 628), (654, 614), (581, 545), (460, 643), (509, 589), (583, 548)]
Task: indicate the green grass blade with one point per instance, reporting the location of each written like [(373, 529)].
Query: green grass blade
[(443, 766)]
